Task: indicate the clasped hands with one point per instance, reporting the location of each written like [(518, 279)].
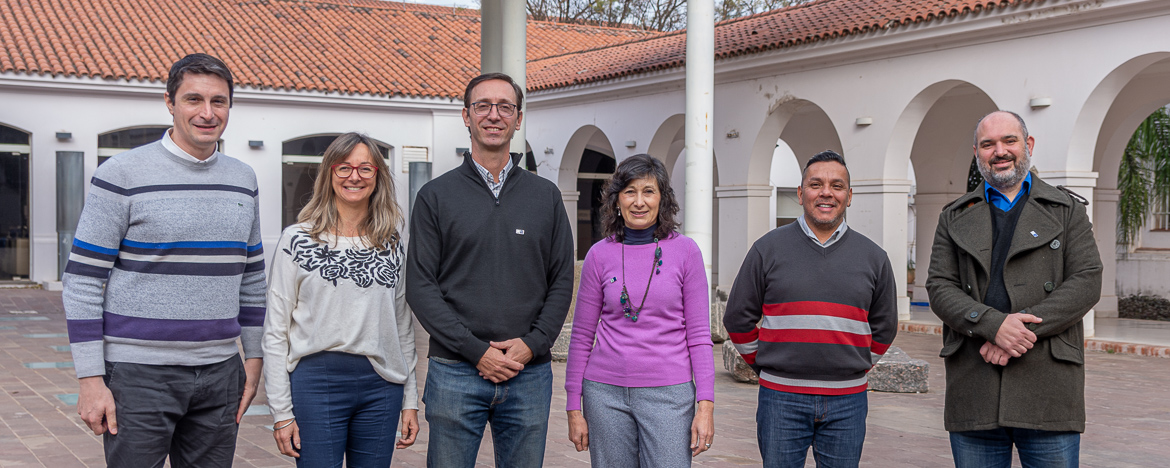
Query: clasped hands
[(1011, 341), (503, 360)]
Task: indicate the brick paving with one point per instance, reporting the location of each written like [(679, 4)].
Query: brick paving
[(1128, 409)]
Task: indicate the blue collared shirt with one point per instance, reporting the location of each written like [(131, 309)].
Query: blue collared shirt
[(999, 200), (833, 238)]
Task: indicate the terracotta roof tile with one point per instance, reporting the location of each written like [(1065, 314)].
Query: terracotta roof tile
[(788, 27), (344, 46)]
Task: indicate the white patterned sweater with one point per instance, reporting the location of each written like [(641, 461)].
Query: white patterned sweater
[(336, 296)]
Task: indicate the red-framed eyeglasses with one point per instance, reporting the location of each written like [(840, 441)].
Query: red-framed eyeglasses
[(365, 171)]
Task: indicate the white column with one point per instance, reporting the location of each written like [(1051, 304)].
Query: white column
[(700, 106), (570, 198), (1104, 210), (927, 207), (504, 37), (1083, 183), (743, 218), (879, 212)]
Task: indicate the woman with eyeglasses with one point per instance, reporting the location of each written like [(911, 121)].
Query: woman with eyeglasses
[(640, 377), (339, 351)]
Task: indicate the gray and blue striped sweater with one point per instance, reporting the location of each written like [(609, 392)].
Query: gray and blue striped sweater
[(167, 266)]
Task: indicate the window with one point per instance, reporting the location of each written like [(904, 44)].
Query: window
[(413, 154), (1162, 213)]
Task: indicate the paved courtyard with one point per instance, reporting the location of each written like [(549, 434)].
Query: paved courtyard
[(1128, 408)]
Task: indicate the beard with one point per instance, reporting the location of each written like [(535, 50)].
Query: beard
[(830, 224), (1004, 180)]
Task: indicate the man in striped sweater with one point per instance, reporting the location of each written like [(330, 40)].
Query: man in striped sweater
[(827, 301), (166, 273)]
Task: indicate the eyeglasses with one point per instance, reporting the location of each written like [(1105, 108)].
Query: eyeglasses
[(365, 171), (484, 108)]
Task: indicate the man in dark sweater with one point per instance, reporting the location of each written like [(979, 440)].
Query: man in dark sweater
[(490, 277), (1013, 270), (828, 305)]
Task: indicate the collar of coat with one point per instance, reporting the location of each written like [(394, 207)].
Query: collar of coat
[(1040, 191), (970, 222)]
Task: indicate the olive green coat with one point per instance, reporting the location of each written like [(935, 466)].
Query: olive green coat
[(1052, 271)]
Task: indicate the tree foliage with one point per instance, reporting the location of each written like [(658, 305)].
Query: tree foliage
[(656, 15), (1144, 175), (974, 177)]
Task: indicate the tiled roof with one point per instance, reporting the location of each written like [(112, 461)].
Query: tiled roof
[(350, 47), (792, 26)]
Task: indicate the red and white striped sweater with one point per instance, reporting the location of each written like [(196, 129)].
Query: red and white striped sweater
[(812, 319)]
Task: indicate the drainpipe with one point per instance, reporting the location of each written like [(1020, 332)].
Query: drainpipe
[(700, 95), (503, 44)]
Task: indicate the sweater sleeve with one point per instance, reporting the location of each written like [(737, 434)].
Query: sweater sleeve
[(560, 285), (100, 230), (282, 295), (883, 311), (697, 317), (405, 322), (745, 306), (586, 316), (425, 254), (252, 289)]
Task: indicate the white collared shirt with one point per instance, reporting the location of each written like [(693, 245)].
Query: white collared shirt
[(812, 235), (491, 181), (173, 147)]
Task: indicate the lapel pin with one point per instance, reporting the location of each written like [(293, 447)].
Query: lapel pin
[(1034, 234)]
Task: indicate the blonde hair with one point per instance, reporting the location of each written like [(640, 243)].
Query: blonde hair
[(384, 219)]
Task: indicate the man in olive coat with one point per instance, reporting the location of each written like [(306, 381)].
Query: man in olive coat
[(1013, 270)]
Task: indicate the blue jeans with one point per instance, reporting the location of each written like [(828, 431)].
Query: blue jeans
[(788, 423), (1038, 449), (459, 403), (344, 409)]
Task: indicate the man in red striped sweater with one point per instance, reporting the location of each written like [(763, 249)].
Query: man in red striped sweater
[(812, 310)]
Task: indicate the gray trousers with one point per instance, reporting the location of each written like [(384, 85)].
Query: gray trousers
[(187, 412), (639, 427)]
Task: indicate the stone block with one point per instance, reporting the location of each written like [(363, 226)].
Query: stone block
[(560, 347), (897, 372), (735, 364), (718, 307)]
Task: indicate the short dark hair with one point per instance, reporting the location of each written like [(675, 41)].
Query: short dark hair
[(493, 76), (825, 156), (200, 64), (633, 168)]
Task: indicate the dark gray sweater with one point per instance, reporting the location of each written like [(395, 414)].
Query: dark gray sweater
[(825, 314), (483, 269)]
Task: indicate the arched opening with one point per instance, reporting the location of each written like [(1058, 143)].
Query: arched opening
[(14, 203), (785, 177), (300, 158), (592, 174), (933, 138), (528, 162), (1125, 98), (120, 141), (590, 153)]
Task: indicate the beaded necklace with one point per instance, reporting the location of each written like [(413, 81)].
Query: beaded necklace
[(630, 312)]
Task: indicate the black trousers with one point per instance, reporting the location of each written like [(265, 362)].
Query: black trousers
[(187, 412)]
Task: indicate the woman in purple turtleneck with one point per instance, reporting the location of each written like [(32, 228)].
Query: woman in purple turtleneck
[(640, 353)]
